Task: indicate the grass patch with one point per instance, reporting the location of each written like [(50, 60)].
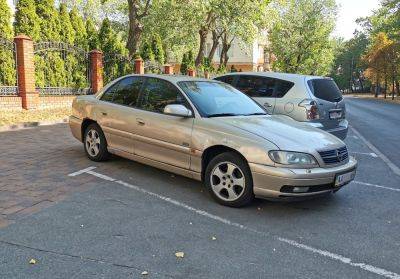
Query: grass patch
[(23, 116)]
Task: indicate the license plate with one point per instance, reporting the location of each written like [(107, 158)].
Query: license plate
[(335, 114), (344, 178)]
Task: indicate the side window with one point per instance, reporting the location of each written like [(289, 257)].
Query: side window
[(158, 93), (282, 87), (128, 91), (227, 79), (108, 95), (255, 86)]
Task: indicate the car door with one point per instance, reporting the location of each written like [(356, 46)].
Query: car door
[(261, 89), (161, 137), (117, 113)]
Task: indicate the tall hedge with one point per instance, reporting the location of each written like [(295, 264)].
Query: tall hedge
[(26, 19), (79, 27), (92, 35), (158, 50), (50, 65), (7, 65)]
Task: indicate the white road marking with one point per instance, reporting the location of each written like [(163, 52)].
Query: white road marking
[(394, 168), (81, 171), (333, 256), (377, 186), (372, 154)]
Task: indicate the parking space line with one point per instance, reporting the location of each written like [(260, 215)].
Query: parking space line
[(394, 168), (333, 256), (81, 171), (376, 186), (372, 154)]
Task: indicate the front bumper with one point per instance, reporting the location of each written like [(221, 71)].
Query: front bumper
[(75, 125), (273, 182)]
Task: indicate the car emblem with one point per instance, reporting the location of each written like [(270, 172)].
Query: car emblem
[(339, 156)]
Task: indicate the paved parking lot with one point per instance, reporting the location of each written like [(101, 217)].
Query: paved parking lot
[(80, 219)]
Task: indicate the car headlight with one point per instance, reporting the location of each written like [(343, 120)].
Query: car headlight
[(293, 158)]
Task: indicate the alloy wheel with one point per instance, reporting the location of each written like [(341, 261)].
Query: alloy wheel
[(227, 181)]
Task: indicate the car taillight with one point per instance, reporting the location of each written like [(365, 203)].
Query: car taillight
[(312, 112)]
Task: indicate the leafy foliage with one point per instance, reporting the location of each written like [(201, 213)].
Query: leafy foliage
[(26, 19), (300, 39), (7, 63)]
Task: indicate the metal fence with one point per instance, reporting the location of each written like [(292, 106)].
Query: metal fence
[(116, 65), (8, 68), (61, 69)]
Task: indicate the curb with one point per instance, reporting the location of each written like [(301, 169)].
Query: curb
[(28, 125)]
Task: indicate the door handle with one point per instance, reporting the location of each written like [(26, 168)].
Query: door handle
[(104, 113), (140, 121), (267, 105)]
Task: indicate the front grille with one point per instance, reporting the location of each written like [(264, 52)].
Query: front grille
[(334, 156)]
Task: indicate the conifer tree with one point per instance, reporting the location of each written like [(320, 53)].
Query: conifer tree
[(50, 68), (184, 65), (80, 29), (92, 35), (147, 52), (158, 50), (7, 65), (26, 19), (67, 32)]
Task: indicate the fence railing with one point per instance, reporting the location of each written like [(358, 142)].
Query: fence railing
[(8, 90), (60, 91)]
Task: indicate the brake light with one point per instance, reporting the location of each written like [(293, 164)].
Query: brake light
[(312, 112)]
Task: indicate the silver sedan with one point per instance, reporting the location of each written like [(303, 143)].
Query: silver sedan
[(209, 131)]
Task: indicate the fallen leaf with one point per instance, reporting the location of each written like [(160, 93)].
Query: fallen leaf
[(179, 254), (190, 223), (145, 273), (213, 238), (258, 208), (32, 261)]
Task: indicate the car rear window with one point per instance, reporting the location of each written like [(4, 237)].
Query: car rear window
[(325, 89), (227, 79)]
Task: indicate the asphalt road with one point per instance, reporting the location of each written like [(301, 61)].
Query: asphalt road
[(379, 122), (122, 218)]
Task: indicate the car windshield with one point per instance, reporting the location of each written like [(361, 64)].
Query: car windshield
[(214, 99)]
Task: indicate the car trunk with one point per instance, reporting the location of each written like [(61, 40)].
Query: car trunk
[(329, 100)]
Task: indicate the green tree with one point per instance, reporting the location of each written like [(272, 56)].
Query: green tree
[(26, 20), (147, 52), (49, 64), (79, 28), (114, 52), (92, 35), (7, 65), (184, 64), (67, 32), (158, 50), (300, 39)]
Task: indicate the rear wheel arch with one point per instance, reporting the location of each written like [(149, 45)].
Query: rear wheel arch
[(85, 123)]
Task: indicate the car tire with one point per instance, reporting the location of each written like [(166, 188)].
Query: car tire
[(228, 179), (95, 143)]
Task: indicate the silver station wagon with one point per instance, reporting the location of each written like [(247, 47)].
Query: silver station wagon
[(209, 131), (314, 100)]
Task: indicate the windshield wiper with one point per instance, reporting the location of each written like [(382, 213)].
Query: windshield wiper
[(222, 114), (256, 113)]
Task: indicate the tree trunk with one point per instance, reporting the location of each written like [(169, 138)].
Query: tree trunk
[(386, 83), (203, 38), (135, 24), (215, 39), (398, 88)]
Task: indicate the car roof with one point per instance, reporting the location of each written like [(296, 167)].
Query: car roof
[(278, 75), (172, 78)]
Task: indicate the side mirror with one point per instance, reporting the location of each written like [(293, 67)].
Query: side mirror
[(177, 110)]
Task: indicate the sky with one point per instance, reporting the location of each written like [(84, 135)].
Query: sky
[(349, 11)]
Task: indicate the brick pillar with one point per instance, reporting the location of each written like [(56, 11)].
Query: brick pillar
[(168, 69), (191, 72), (206, 74), (139, 66), (96, 70), (26, 72)]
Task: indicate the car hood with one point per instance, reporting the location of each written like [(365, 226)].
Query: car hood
[(285, 132)]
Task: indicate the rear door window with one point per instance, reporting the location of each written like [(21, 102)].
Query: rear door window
[(325, 89), (282, 87), (255, 86), (128, 91)]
